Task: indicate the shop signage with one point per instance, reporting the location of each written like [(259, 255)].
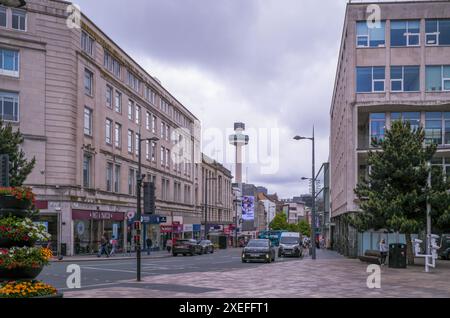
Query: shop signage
[(151, 219), (163, 219), (165, 228), (188, 227), (196, 228), (97, 215), (177, 227)]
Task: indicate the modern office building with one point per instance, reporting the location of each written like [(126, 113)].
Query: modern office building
[(83, 104), (397, 68)]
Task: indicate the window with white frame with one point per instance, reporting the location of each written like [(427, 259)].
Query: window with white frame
[(368, 35), (163, 154), (413, 118), (148, 122), (87, 170), (111, 63), (154, 151), (163, 130), (3, 21), (117, 179), (164, 105), (147, 149), (87, 43), (377, 128), (109, 176), (130, 110), (370, 79), (19, 20), (437, 78), (137, 143), (130, 141), (405, 32), (88, 121), (437, 128), (9, 62), (133, 81), (118, 135), (108, 131), (88, 82), (138, 114), (167, 158), (405, 78), (109, 96), (437, 32), (154, 124), (150, 95), (9, 106), (167, 132), (131, 181), (118, 102)]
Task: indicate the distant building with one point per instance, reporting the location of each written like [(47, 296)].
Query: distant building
[(262, 190), (294, 210)]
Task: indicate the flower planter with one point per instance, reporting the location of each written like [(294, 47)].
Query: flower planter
[(19, 213), (8, 243), (19, 273), (11, 202)]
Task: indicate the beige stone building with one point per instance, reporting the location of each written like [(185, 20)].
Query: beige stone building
[(394, 69), (220, 206), (82, 103)]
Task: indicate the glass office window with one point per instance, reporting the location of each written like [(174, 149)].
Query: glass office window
[(377, 127), (433, 128), (405, 33), (437, 31), (3, 17), (433, 78), (447, 128), (367, 36)]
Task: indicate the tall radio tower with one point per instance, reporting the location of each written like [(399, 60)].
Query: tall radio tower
[(239, 140)]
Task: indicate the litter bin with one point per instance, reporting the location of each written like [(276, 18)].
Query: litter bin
[(63, 249), (397, 255)]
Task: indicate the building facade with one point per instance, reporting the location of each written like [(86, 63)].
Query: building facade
[(83, 105), (395, 69), (294, 210), (217, 181)]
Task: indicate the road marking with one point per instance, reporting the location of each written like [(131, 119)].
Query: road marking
[(111, 270)]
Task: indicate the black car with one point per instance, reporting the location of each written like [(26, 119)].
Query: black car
[(186, 247), (206, 246), (444, 251), (259, 250)]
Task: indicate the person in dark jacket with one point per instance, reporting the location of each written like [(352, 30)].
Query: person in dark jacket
[(149, 245)]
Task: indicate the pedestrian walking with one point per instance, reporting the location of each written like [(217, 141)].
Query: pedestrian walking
[(149, 245), (113, 243), (169, 245), (103, 246), (383, 251)]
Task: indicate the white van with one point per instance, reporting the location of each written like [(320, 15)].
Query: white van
[(290, 244)]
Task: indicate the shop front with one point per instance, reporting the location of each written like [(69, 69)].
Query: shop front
[(188, 231), (152, 231), (90, 226), (197, 231)]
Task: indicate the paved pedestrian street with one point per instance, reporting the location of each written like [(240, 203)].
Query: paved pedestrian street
[(331, 275)]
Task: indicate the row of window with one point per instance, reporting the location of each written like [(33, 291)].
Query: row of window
[(403, 79), (437, 125), (18, 19), (113, 180), (114, 66), (403, 33)]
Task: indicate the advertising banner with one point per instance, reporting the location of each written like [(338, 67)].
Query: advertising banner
[(248, 208)]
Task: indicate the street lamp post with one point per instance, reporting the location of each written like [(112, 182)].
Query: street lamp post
[(206, 205), (313, 204), (138, 210)]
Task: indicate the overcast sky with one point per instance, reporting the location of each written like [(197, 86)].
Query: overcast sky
[(267, 63)]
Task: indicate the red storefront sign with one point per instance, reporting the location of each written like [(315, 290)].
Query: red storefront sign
[(97, 215), (165, 228)]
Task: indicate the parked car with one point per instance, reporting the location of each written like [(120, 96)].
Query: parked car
[(206, 246), (444, 251), (186, 247), (290, 244), (259, 250)]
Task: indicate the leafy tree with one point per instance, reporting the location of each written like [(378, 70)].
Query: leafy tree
[(10, 142), (304, 228), (395, 194), (279, 222)]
